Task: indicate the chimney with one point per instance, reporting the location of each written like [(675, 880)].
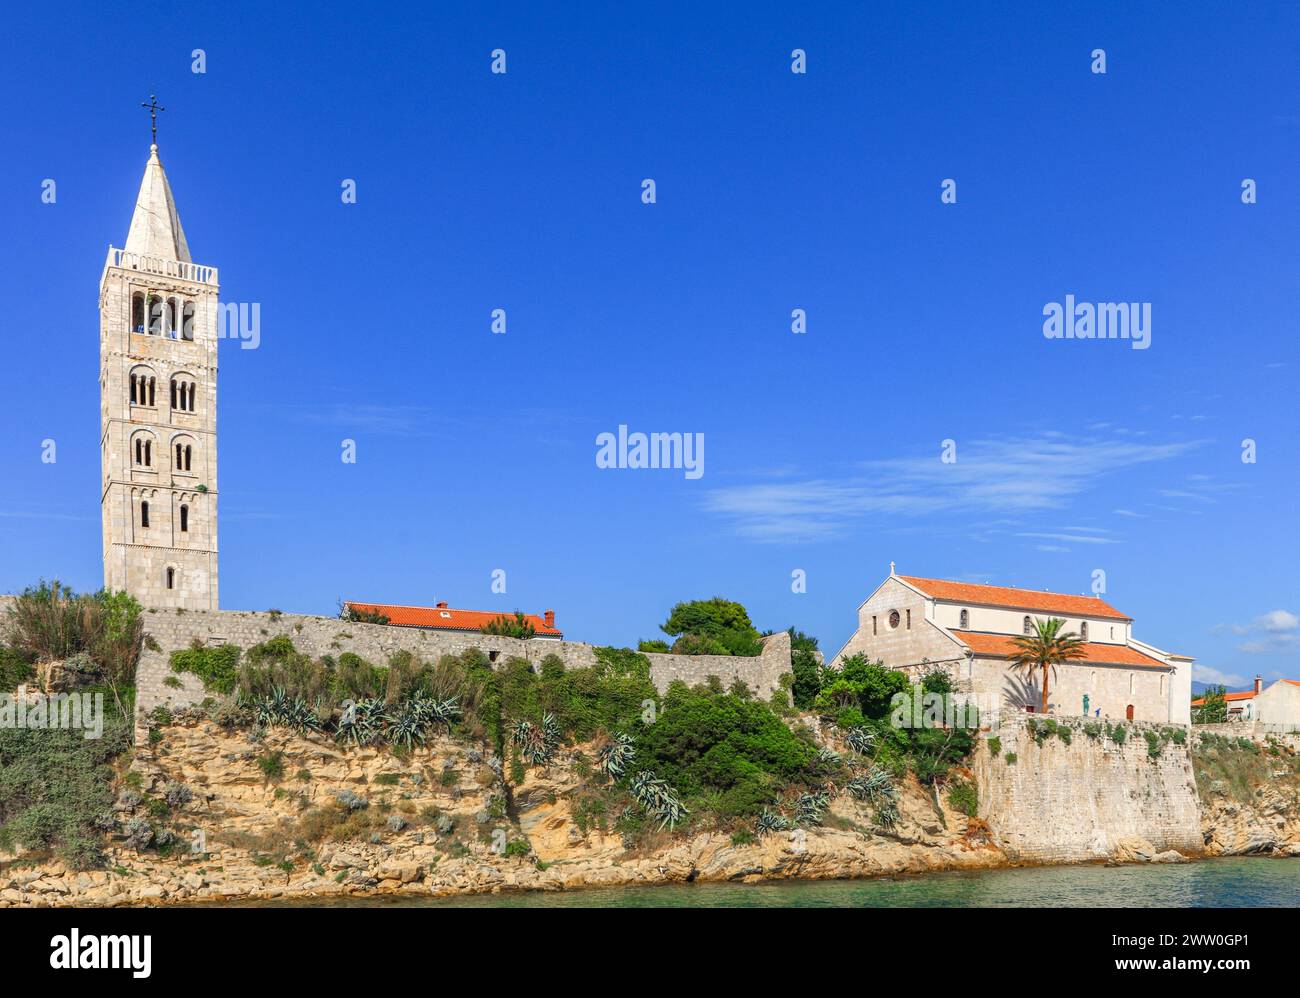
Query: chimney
[(550, 618), (442, 605), (1259, 684)]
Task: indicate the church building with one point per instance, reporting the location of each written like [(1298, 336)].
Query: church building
[(158, 317), (918, 625)]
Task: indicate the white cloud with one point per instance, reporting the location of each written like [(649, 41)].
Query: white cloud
[(1207, 674), (1013, 475), (1275, 632), (1279, 620)]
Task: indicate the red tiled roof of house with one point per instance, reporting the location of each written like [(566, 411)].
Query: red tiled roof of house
[(1244, 695), (1020, 599), (1004, 646), (445, 618)]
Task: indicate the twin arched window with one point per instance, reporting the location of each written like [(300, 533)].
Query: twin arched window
[(183, 394), (184, 456), (143, 452), (143, 387)]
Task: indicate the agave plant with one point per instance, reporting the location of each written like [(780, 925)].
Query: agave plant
[(658, 799), (860, 740), (537, 743), (828, 757), (875, 786), (809, 807), (443, 711), (616, 755), (363, 722), (406, 727), (887, 815), (772, 821), (279, 709)]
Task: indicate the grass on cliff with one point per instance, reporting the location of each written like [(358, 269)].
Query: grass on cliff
[(1237, 767), (56, 793)]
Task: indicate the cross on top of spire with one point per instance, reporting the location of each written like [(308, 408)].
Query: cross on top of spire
[(154, 107)]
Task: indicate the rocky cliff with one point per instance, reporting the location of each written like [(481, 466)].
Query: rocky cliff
[(300, 816), (207, 813)]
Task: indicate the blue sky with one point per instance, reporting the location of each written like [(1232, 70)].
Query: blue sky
[(775, 191)]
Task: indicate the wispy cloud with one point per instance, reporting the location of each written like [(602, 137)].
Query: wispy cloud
[(1274, 632), (1008, 475), (1208, 674)]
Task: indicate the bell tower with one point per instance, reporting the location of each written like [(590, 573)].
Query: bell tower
[(158, 317)]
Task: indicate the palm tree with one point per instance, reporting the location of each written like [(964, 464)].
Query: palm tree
[(1046, 647)]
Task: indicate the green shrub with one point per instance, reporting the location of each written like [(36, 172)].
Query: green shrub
[(963, 797), (517, 847), (732, 751), (1011, 758), (217, 667), (272, 765), (56, 789), (15, 668), (995, 746), (1154, 744)]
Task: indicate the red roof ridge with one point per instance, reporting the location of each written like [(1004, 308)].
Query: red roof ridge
[(1014, 596), (1004, 646), (447, 617)]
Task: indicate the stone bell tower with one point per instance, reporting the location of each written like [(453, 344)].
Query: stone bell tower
[(158, 319)]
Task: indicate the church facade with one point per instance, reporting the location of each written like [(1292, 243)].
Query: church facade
[(158, 324), (917, 625)]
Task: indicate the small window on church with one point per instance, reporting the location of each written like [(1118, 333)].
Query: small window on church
[(171, 578), (1028, 626), (184, 454), (173, 317), (134, 381), (894, 618), (185, 518), (909, 620), (874, 630), (137, 313), (965, 620), (144, 515), (1083, 630), (187, 321)]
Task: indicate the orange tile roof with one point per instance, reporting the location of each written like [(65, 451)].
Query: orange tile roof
[(1244, 695), (1020, 599), (444, 618), (1004, 646)]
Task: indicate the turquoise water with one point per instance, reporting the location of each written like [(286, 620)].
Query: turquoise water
[(1255, 883)]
